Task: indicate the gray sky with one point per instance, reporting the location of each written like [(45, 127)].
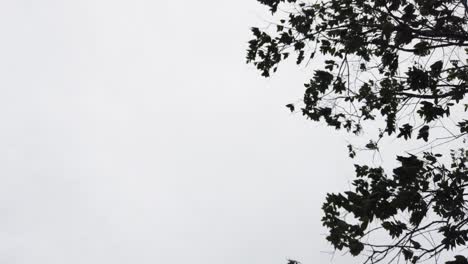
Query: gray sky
[(132, 131)]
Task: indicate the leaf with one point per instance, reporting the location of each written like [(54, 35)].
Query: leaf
[(416, 244), (355, 247), (408, 254), (436, 68), (424, 133), (372, 145), (405, 131), (351, 151), (463, 126), (459, 259), (422, 48)]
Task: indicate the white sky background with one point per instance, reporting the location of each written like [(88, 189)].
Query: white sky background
[(132, 131)]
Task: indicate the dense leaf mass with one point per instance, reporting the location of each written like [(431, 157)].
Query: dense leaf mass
[(418, 188), (373, 36), (401, 64)]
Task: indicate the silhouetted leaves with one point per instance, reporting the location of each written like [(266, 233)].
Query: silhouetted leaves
[(458, 260), (424, 133), (377, 197), (355, 247), (405, 131), (395, 229), (383, 61)]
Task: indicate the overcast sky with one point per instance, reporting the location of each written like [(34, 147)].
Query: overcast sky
[(132, 131)]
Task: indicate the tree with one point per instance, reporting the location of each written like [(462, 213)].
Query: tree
[(400, 65)]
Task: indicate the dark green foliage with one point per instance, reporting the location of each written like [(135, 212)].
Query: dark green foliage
[(369, 31), (417, 187), (403, 62)]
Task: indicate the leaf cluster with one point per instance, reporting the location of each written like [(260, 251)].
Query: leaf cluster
[(398, 64)]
